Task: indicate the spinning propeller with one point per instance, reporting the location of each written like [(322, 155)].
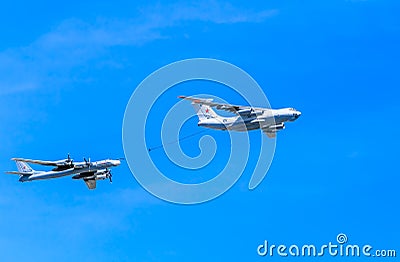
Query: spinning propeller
[(87, 162), (69, 160), (109, 175)]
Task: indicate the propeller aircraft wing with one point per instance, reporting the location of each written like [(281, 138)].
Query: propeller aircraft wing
[(19, 173), (90, 183), (59, 163), (39, 162)]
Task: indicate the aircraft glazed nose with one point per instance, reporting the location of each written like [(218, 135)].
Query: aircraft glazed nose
[(297, 114)]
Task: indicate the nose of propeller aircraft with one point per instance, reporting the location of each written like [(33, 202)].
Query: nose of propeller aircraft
[(115, 162)]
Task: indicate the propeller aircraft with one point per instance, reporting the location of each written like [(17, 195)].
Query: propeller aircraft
[(86, 170)]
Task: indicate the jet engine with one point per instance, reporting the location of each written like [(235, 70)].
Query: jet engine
[(277, 127), (246, 111)]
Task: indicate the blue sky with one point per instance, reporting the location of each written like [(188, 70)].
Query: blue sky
[(67, 71)]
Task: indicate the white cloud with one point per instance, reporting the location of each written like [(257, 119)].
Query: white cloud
[(75, 41), (206, 11)]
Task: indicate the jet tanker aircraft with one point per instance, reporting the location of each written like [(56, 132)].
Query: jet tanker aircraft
[(87, 170), (247, 118)]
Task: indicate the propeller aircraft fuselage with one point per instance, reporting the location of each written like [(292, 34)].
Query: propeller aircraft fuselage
[(86, 170)]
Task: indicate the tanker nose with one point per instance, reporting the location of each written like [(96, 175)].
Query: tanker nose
[(297, 114)]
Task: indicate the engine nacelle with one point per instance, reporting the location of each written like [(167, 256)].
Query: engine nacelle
[(63, 162), (101, 175), (259, 112), (277, 127), (246, 111)]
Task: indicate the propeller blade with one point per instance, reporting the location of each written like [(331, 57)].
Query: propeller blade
[(87, 161), (70, 160)]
